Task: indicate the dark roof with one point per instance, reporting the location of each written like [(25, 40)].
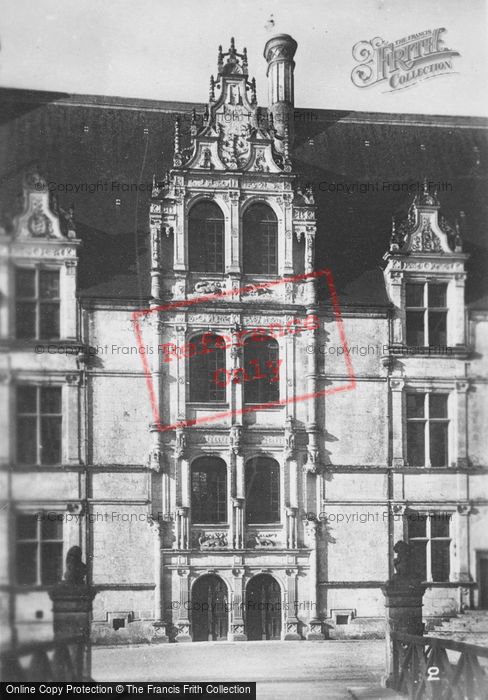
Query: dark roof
[(80, 140)]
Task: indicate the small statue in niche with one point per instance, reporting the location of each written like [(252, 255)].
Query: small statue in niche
[(75, 569)]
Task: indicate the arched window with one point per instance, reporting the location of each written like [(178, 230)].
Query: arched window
[(209, 490), (262, 491), (261, 369), (260, 240), (206, 238), (207, 368)]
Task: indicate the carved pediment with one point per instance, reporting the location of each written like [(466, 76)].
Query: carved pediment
[(37, 220)]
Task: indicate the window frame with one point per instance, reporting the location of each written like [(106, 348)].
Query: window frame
[(262, 368), (426, 310), (191, 368), (428, 539), (222, 466), (264, 230), (37, 301), (39, 541), (427, 420), (207, 235), (278, 513), (38, 415)]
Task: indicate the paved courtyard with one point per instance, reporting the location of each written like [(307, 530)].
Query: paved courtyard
[(310, 670)]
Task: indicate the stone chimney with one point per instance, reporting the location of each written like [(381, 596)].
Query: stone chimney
[(279, 52)]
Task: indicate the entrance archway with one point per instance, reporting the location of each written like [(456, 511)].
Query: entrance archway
[(209, 609), (263, 608)]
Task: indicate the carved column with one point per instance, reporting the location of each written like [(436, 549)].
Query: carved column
[(232, 245), (181, 373), (237, 633), (291, 621), (183, 622), (464, 510), (180, 245), (182, 527), (159, 625), (291, 527), (314, 623), (72, 419), (288, 228), (396, 421), (458, 311), (397, 297), (155, 237), (68, 294), (462, 388), (238, 519), (236, 501)]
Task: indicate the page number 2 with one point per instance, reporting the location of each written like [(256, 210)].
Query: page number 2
[(433, 673)]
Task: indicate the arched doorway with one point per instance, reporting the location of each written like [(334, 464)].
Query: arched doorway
[(209, 609), (263, 608)]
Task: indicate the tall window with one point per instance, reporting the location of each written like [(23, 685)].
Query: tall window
[(206, 238), (426, 309), (261, 370), (427, 430), (262, 490), (209, 490), (39, 550), (260, 240), (39, 423), (207, 369), (36, 303), (429, 535)]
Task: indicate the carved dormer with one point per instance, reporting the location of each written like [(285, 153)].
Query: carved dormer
[(39, 257), (232, 134), (425, 249)]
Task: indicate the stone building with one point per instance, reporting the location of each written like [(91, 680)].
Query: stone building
[(236, 383)]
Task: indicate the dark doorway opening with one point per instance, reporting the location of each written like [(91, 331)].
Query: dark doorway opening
[(209, 609), (263, 608)]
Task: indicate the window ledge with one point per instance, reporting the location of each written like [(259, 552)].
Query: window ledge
[(456, 351), (206, 404)]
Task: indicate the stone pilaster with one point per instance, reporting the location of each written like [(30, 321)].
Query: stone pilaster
[(291, 620), (71, 423), (315, 625), (159, 625), (397, 422), (183, 622), (237, 632), (462, 388)]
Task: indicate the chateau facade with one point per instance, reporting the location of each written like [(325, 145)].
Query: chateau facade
[(236, 438)]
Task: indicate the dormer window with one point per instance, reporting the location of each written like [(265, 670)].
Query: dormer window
[(37, 303), (426, 314)]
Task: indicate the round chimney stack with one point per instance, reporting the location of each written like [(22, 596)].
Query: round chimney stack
[(279, 52)]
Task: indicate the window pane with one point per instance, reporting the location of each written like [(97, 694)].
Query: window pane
[(415, 405), (25, 319), (440, 560), (414, 295), (26, 399), (209, 491), (26, 563), (438, 405), (208, 378), (52, 526), (49, 320), (415, 328), (261, 365), (51, 563), (260, 234), (26, 526), (27, 440), (51, 440), (437, 328), (419, 558), (49, 284), (438, 444), (50, 399), (416, 444), (262, 491), (417, 524), (206, 238), (437, 295), (439, 526), (25, 283)]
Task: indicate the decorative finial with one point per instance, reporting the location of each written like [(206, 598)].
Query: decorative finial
[(211, 96), (232, 49), (220, 59), (286, 145), (177, 155), (253, 91)]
